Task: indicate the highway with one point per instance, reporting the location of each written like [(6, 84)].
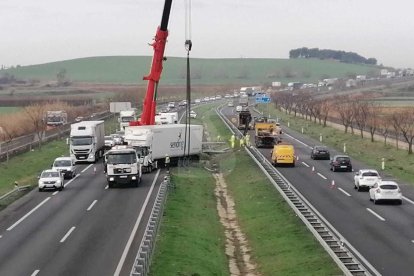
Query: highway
[(383, 234), (82, 230)]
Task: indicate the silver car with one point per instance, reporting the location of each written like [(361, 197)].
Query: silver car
[(50, 179)]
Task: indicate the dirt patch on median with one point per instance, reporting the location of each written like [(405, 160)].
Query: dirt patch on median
[(237, 250)]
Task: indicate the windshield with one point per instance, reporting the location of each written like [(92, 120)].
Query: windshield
[(388, 187), (142, 151), (121, 158), (49, 174), (346, 159), (370, 174), (127, 119), (81, 141), (62, 163), (54, 118), (108, 137)]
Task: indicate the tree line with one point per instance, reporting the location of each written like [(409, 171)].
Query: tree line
[(355, 113), (342, 56)]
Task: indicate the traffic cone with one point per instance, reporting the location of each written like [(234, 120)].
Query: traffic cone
[(94, 170), (333, 184), (297, 158)]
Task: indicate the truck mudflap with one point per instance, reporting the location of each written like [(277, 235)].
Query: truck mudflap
[(130, 179)]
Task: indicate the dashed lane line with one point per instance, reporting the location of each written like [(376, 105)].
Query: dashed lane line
[(91, 206), (342, 190), (67, 234), (305, 164), (321, 175), (35, 272), (375, 214), (407, 199), (28, 214)]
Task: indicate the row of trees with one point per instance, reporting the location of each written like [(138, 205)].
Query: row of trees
[(347, 57), (355, 113)]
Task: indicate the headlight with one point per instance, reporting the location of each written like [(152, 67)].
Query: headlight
[(134, 178), (111, 179), (91, 156), (40, 182)]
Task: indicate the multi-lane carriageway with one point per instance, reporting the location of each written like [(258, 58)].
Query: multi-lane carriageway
[(382, 234), (86, 229)]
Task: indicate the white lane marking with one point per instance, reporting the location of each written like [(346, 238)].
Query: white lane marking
[(35, 272), (70, 181), (28, 214), (182, 115), (342, 190), (409, 200), (375, 214), (297, 140), (412, 241), (106, 187), (86, 168), (305, 164), (67, 234), (91, 206), (1, 236), (134, 230), (55, 193), (321, 175)]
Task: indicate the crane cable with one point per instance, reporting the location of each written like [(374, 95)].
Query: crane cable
[(188, 45)]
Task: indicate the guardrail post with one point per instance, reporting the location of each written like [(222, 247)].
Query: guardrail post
[(383, 163)]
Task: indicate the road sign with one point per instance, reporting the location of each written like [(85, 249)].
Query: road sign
[(262, 99)]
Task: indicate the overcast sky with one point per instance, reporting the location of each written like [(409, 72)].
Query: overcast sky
[(40, 31)]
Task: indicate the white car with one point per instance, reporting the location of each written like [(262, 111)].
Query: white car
[(50, 179), (239, 108), (366, 178), (230, 104), (171, 105), (197, 101), (65, 165), (385, 191), (109, 142), (193, 114)]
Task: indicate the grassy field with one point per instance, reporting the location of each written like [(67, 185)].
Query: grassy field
[(397, 162), (8, 109), (130, 69), (280, 244)]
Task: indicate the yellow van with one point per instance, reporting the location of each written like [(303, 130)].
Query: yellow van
[(283, 154)]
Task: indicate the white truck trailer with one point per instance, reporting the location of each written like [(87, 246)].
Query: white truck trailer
[(154, 142), (122, 166), (126, 116), (87, 142), (165, 118)]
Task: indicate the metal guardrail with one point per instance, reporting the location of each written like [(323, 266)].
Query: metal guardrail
[(146, 249), (28, 142), (348, 259), (15, 190)]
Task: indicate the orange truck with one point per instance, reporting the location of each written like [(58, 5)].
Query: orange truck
[(266, 134)]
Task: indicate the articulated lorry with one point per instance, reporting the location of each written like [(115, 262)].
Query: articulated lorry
[(244, 120), (122, 166), (154, 142), (126, 116), (56, 118), (87, 142)]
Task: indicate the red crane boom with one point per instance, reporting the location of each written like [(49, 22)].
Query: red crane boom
[(150, 100)]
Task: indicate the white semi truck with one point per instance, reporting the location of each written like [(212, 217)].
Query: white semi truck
[(122, 166), (154, 142), (87, 142), (126, 116)]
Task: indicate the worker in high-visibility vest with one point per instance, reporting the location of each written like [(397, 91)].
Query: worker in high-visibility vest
[(218, 138), (241, 142), (248, 139), (232, 140)]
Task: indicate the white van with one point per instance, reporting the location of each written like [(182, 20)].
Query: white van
[(65, 165)]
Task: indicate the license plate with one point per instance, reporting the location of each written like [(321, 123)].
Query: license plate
[(343, 167), (81, 157), (123, 176)]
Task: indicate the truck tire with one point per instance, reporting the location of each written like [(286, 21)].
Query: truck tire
[(110, 185)]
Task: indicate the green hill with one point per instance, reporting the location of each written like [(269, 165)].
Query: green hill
[(131, 69)]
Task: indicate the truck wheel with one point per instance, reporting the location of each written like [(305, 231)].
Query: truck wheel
[(110, 185)]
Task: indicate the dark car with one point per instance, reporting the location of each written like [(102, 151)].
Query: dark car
[(341, 162), (320, 152)]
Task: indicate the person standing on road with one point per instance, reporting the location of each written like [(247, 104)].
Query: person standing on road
[(241, 141), (248, 139)]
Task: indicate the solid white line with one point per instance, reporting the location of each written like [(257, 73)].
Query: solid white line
[(70, 181), (35, 272), (106, 187), (297, 140), (86, 168), (344, 191), (305, 164), (375, 214), (55, 193), (28, 214), (134, 230), (409, 200), (412, 241), (321, 175), (67, 234), (1, 236), (91, 206)]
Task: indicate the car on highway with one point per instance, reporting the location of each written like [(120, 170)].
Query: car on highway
[(109, 142), (118, 140), (320, 152), (197, 101), (239, 108), (171, 105), (230, 104), (193, 114), (65, 165), (385, 191), (182, 103), (341, 162), (50, 179), (366, 178), (79, 119)]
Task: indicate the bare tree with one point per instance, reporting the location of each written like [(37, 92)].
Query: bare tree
[(345, 111), (406, 127), (360, 114), (9, 131), (396, 120), (385, 124), (373, 118), (35, 114), (325, 108)]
